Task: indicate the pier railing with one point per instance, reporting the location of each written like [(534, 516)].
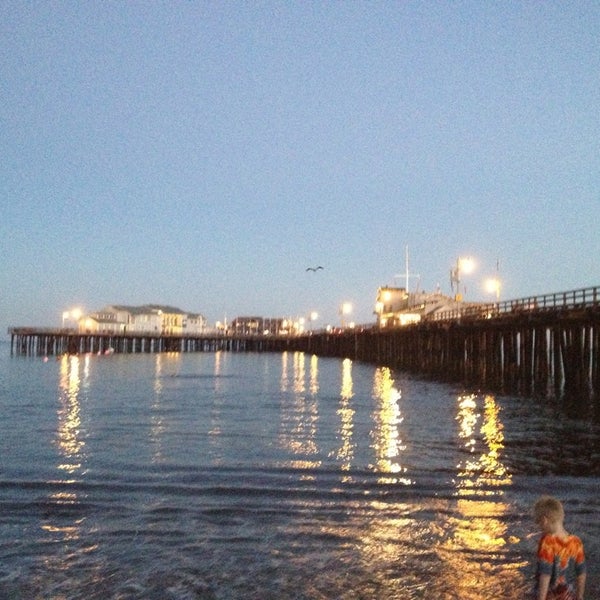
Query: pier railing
[(576, 299), (109, 332)]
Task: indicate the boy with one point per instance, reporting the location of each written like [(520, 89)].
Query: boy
[(560, 556)]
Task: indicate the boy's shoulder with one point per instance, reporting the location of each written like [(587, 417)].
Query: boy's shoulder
[(550, 539), (574, 539)]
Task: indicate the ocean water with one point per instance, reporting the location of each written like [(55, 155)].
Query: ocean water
[(275, 476)]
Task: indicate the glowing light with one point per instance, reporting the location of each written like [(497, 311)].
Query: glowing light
[(466, 265), (492, 286), (73, 314), (345, 310)]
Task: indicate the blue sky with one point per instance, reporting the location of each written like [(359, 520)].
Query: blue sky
[(203, 154)]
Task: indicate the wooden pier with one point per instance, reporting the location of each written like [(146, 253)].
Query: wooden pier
[(546, 346), (52, 342)]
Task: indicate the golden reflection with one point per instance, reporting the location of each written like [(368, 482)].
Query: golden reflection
[(386, 436), (218, 357), (69, 414), (216, 426), (157, 426), (165, 365), (479, 524), (346, 413), (158, 384), (476, 547), (484, 471), (283, 381), (391, 540), (314, 374), (70, 443), (70, 531), (299, 372), (300, 414), (493, 435)]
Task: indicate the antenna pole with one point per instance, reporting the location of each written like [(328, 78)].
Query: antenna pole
[(406, 251)]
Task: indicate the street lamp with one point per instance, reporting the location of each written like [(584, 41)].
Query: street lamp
[(464, 266), (345, 309), (74, 314), (492, 286)]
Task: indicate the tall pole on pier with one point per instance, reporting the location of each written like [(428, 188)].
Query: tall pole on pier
[(407, 273)]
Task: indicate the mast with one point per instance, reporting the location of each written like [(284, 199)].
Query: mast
[(407, 272)]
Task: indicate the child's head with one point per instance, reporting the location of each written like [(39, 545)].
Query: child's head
[(548, 512)]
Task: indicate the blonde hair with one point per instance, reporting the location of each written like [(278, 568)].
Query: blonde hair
[(549, 507)]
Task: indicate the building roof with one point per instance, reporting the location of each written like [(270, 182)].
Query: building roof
[(146, 309)]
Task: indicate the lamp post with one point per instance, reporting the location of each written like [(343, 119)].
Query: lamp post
[(464, 265), (345, 309), (492, 286), (74, 314)]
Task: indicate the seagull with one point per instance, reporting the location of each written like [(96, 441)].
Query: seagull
[(314, 269)]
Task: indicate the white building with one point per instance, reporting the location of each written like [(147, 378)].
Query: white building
[(194, 324), (150, 318)]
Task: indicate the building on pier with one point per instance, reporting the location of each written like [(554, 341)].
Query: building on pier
[(257, 326), (148, 318), (396, 307)]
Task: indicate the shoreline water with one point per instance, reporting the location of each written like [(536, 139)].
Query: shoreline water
[(274, 476)]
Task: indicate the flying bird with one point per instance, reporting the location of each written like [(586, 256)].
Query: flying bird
[(314, 269)]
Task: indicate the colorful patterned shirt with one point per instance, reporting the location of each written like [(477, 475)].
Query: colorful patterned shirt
[(562, 559)]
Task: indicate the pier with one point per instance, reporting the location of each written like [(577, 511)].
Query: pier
[(546, 346), (29, 341)]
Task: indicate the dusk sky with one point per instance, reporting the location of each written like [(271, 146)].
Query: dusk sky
[(204, 154)]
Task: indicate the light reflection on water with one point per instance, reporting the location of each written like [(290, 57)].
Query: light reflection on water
[(482, 470), (69, 413), (61, 524), (267, 476), (387, 418), (299, 413), (216, 409), (345, 411), (479, 527)]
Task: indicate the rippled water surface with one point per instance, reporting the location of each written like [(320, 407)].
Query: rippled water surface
[(266, 476)]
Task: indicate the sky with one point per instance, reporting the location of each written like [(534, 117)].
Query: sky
[(204, 154)]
